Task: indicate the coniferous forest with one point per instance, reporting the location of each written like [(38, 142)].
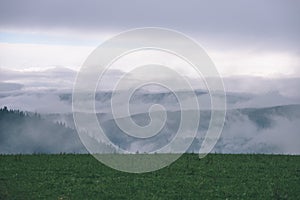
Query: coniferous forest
[(27, 133)]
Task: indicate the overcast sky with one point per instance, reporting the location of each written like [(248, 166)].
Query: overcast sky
[(259, 38)]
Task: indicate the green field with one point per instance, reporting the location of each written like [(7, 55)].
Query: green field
[(214, 177)]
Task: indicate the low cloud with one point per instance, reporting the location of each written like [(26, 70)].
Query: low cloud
[(8, 87)]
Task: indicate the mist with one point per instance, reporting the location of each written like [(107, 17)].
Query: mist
[(262, 116)]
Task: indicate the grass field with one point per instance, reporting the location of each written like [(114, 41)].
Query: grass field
[(214, 177)]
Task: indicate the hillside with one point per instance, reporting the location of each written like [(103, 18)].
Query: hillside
[(265, 130), (24, 133)]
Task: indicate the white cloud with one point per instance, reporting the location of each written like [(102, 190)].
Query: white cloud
[(255, 63), (41, 56), (229, 63)]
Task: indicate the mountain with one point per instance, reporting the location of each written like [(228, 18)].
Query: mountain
[(22, 132), (249, 130)]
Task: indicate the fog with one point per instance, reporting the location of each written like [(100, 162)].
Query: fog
[(263, 114), (273, 130), (50, 91)]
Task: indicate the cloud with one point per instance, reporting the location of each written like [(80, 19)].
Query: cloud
[(271, 63), (268, 17), (287, 87), (284, 134), (277, 133), (39, 102), (39, 56), (50, 91), (58, 78), (6, 87), (261, 130), (242, 38), (269, 21)]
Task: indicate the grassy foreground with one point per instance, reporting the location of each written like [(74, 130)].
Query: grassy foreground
[(214, 177)]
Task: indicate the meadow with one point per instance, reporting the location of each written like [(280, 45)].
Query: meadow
[(217, 176)]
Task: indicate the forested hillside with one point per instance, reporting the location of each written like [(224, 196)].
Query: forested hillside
[(22, 132)]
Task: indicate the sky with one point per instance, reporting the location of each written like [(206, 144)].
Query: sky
[(252, 38)]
